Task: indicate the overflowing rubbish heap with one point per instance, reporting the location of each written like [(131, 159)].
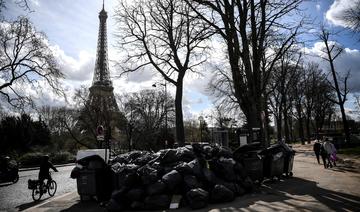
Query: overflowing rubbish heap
[(199, 174), (192, 176)]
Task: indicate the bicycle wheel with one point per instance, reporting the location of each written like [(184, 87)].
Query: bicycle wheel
[(52, 186), (36, 193)]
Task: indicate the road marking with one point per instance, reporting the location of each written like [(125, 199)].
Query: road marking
[(48, 201)]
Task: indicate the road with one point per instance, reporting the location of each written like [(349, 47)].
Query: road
[(17, 197)]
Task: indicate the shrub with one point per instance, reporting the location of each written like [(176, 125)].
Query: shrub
[(31, 159), (62, 157)]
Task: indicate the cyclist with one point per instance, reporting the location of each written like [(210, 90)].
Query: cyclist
[(45, 170)]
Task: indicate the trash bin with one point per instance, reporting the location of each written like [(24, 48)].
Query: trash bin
[(248, 156), (94, 178), (86, 184), (273, 158), (289, 154), (253, 165)]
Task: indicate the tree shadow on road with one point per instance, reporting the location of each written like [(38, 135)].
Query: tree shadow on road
[(85, 206), (289, 195), (30, 204), (334, 200)]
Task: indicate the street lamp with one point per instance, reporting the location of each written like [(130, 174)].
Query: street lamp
[(165, 105)]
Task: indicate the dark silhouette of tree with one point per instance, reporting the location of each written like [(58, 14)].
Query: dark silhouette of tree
[(250, 30), (329, 53), (145, 113), (352, 17), (167, 36), (22, 133)]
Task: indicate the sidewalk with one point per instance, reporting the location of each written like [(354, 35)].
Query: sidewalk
[(312, 188)]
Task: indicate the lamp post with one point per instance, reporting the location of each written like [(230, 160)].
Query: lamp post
[(165, 106)]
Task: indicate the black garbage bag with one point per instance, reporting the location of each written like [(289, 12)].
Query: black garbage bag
[(147, 174), (135, 194), (169, 167), (172, 180), (247, 184), (119, 196), (185, 154), (144, 158), (114, 206), (125, 175), (137, 205), (135, 154), (191, 182), (168, 156), (221, 194), (196, 168), (156, 188), (184, 168), (157, 202), (240, 172), (224, 168), (197, 198), (156, 165), (221, 151), (209, 177)]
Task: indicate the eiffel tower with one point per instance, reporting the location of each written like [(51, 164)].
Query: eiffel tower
[(101, 100)]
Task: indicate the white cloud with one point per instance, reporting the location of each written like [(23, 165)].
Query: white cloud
[(347, 61), (337, 9), (78, 69)]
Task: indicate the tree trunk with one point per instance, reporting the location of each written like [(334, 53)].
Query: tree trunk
[(286, 126), (180, 135), (341, 100), (301, 126), (278, 127), (308, 129)]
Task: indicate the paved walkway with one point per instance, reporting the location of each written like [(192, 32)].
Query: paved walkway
[(312, 188)]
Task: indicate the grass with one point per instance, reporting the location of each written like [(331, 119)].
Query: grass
[(350, 151)]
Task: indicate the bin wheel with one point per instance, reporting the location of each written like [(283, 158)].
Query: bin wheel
[(291, 174)]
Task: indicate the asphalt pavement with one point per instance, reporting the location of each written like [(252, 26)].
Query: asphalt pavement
[(15, 197), (312, 188)]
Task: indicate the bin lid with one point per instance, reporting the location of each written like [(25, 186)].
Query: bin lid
[(90, 152)]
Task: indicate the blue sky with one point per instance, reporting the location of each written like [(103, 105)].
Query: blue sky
[(72, 29)]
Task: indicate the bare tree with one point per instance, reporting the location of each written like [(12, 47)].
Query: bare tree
[(169, 37), (281, 86), (25, 59), (251, 30), (147, 113), (329, 53), (352, 16)]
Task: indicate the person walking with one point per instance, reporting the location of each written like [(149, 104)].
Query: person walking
[(324, 155), (330, 151), (316, 148)]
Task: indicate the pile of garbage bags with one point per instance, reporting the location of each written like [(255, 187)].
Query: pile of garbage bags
[(199, 174)]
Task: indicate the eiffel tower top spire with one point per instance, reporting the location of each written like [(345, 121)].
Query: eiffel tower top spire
[(101, 72)]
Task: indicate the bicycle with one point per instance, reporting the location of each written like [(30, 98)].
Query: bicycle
[(38, 190)]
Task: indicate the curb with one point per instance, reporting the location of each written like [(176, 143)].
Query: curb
[(48, 201), (37, 168)]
